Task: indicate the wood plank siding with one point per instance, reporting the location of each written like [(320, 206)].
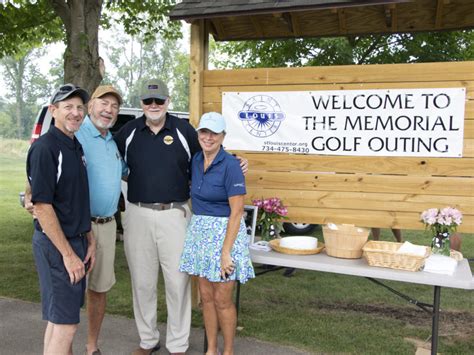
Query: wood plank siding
[(367, 191)]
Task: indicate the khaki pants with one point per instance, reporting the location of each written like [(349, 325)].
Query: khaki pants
[(102, 276), (155, 239)]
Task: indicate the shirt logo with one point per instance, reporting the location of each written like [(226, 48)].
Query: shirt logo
[(168, 140), (241, 184), (84, 161)]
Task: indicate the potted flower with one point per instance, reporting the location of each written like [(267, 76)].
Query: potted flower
[(441, 223), (271, 212)]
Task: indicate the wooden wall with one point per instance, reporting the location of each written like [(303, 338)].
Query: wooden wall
[(366, 191)]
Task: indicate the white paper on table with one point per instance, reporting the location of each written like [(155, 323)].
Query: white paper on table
[(440, 264), (409, 248)]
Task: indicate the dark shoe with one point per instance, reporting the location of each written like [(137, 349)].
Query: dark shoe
[(95, 352), (289, 272), (141, 351)]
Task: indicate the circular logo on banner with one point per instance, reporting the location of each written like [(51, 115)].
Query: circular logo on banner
[(261, 116), (168, 140)]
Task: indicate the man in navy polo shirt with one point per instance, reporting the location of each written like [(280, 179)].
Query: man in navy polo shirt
[(157, 148), (62, 243), (105, 168)]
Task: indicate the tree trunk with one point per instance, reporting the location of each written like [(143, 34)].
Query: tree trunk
[(81, 58), (19, 68)]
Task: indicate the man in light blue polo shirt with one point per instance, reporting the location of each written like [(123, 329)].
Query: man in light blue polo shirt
[(105, 168)]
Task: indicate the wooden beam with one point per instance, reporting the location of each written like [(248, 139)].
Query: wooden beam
[(341, 15), (257, 26), (286, 19), (295, 23), (439, 13), (391, 17), (198, 63), (219, 29)]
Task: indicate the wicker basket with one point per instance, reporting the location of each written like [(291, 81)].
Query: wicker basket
[(384, 254), (275, 245), (346, 242)]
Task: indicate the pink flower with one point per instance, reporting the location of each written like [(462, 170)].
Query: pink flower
[(429, 216), (257, 203), (445, 220)]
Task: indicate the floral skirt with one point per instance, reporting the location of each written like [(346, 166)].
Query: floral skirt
[(203, 245)]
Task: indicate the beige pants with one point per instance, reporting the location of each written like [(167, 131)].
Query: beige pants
[(102, 276), (155, 239)]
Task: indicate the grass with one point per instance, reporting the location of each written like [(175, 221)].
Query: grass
[(315, 311)]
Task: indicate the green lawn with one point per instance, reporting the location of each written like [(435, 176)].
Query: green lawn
[(316, 311)]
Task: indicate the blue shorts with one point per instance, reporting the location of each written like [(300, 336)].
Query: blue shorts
[(61, 301)]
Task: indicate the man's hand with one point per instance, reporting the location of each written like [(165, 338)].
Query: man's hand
[(244, 164), (28, 204), (75, 267), (89, 261)]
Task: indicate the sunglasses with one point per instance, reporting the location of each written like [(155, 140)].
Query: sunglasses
[(151, 100)]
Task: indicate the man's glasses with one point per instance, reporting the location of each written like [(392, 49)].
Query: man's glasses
[(155, 100)]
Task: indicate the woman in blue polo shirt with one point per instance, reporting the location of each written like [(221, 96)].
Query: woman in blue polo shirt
[(216, 245)]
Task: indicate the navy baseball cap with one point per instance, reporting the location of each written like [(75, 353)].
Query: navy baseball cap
[(68, 90)]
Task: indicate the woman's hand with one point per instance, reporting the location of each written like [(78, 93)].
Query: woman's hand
[(227, 265)]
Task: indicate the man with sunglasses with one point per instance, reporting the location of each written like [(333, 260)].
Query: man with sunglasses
[(157, 149), (62, 242), (105, 169)]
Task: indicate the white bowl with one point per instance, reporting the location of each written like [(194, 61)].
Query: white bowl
[(299, 243)]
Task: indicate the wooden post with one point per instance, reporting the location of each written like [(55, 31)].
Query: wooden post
[(198, 63)]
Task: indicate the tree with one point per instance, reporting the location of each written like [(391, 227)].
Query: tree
[(135, 61), (181, 83), (26, 86), (373, 49), (77, 23)]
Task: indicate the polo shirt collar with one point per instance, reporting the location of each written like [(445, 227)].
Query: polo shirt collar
[(60, 135), (89, 126), (219, 157), (142, 123)]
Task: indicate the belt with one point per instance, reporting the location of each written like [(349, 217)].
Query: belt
[(102, 220), (163, 206)]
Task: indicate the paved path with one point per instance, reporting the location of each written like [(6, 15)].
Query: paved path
[(21, 333)]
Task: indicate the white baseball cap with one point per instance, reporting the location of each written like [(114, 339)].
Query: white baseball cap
[(212, 121)]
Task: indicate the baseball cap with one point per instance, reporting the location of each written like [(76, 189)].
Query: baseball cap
[(212, 121), (103, 90), (156, 89), (68, 90)]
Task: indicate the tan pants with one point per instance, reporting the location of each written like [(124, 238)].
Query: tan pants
[(155, 239), (102, 276)]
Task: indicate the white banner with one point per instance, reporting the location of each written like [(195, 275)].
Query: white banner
[(406, 122)]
